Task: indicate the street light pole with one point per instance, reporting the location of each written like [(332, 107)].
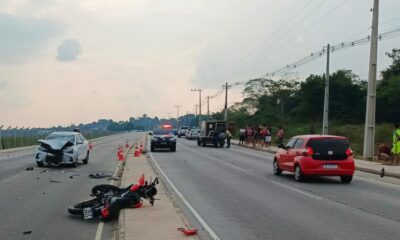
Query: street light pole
[(369, 132), (198, 90), (1, 141), (208, 108), (325, 122), (226, 87), (177, 114)]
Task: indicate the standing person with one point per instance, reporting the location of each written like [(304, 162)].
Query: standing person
[(280, 135), (268, 137), (247, 134), (263, 135), (228, 137), (242, 133), (252, 134), (256, 136), (396, 145)]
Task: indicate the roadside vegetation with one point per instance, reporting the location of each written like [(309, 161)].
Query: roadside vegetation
[(296, 105)]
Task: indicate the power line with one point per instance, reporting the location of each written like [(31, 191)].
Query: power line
[(262, 57), (334, 48), (265, 40), (274, 50)]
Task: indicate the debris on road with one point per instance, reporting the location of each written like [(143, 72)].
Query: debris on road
[(97, 175), (43, 171), (27, 232), (29, 169), (382, 172), (55, 181), (188, 232)]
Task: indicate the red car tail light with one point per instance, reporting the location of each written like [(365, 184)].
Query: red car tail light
[(349, 152), (307, 151)]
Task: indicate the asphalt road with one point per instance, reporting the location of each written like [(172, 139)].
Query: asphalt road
[(30, 201), (236, 193)]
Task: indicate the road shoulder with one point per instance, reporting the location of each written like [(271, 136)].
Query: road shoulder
[(149, 222)]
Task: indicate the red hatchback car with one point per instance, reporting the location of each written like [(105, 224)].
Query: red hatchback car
[(316, 155)]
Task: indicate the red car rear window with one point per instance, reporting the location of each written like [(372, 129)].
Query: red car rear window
[(329, 148)]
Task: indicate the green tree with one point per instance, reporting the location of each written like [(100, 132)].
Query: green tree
[(388, 91)]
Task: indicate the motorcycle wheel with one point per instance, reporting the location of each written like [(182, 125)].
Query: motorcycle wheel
[(77, 209), (102, 189)]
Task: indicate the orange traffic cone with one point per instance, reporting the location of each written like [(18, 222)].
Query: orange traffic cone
[(137, 153), (141, 148), (120, 156)]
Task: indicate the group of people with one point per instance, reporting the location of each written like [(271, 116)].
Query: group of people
[(260, 136)]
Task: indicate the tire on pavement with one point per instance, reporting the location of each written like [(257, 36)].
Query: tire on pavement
[(298, 175), (276, 169), (77, 209), (86, 160), (346, 179)]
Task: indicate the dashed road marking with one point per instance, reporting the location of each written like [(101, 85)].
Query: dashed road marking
[(297, 190), (210, 231)]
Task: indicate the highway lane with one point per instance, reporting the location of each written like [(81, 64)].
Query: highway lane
[(30, 201), (236, 193)]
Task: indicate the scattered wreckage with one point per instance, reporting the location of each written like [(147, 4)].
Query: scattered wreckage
[(62, 148), (109, 199)]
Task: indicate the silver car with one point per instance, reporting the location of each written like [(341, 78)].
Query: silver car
[(62, 148), (192, 133)]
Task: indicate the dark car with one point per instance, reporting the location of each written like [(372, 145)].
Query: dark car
[(316, 155), (163, 138)]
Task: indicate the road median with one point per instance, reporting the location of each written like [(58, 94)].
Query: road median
[(149, 222)]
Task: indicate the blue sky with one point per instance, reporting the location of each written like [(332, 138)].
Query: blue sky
[(65, 62)]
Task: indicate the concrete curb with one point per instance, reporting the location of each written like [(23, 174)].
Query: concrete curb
[(164, 215), (362, 169), (378, 172)]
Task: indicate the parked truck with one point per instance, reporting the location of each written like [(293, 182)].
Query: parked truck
[(213, 133)]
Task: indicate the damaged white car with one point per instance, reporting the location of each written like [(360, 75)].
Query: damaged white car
[(62, 148)]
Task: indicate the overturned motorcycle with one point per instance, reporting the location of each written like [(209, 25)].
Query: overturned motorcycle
[(109, 199)]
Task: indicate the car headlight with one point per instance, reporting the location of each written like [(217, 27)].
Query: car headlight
[(42, 149), (154, 138)]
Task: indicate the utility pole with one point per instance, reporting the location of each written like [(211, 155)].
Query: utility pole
[(369, 132), (198, 90), (226, 87), (1, 141), (177, 114), (208, 107), (325, 122)]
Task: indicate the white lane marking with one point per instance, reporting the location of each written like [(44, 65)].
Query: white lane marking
[(297, 190), (186, 202), (99, 231)]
